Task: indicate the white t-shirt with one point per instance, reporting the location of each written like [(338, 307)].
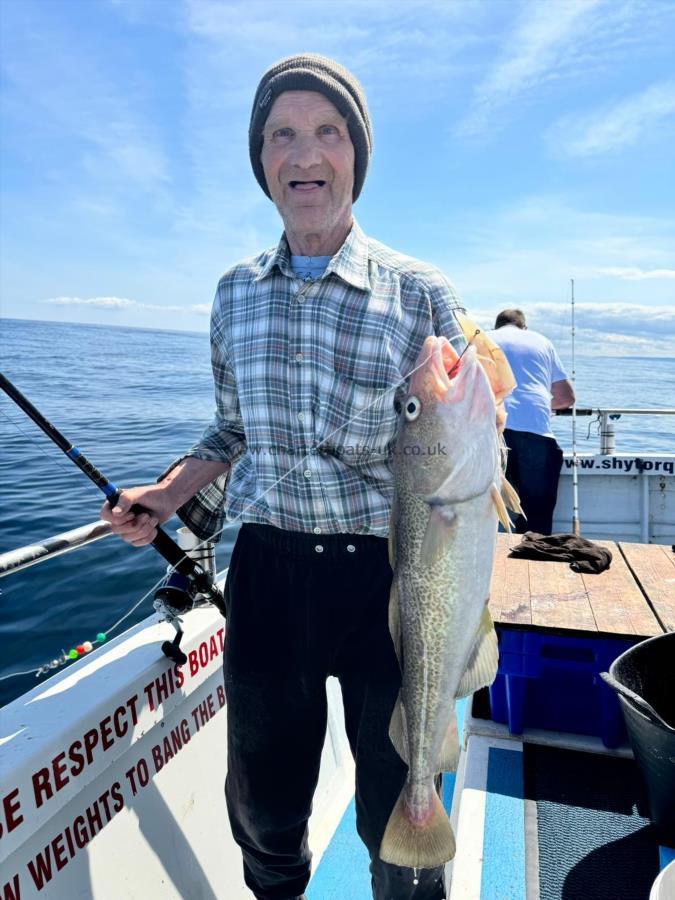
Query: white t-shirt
[(535, 365)]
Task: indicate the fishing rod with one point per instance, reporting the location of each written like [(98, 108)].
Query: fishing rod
[(575, 474), (174, 597)]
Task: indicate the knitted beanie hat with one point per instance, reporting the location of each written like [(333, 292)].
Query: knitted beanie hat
[(312, 72)]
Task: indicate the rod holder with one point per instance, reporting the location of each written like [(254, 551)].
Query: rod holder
[(607, 435)]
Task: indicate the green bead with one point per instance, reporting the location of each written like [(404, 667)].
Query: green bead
[(100, 637), (73, 654)]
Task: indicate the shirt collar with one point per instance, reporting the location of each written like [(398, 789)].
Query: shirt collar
[(280, 258), (350, 263)]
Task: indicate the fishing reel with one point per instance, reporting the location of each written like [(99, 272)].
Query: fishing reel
[(180, 593)]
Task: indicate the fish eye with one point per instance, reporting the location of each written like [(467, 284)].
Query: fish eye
[(413, 407)]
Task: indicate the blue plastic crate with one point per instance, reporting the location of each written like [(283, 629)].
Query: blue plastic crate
[(552, 681)]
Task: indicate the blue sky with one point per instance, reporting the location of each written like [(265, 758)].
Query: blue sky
[(518, 144)]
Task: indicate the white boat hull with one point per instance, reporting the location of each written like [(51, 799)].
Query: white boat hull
[(622, 497), (113, 774)]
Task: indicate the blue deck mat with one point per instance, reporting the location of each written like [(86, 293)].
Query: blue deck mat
[(595, 839), (343, 871)]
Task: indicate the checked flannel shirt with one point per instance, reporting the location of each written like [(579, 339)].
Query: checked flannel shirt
[(306, 374)]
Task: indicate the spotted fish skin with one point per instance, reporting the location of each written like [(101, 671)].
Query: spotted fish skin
[(444, 524)]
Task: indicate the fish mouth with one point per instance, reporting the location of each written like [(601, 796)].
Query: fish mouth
[(441, 371), (448, 369)]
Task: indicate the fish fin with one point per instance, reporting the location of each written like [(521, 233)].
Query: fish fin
[(449, 756), (418, 847), (397, 731), (395, 620), (497, 369), (510, 496), (440, 529), (481, 668), (501, 508)]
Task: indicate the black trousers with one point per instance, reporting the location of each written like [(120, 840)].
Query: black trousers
[(295, 616), (533, 468)]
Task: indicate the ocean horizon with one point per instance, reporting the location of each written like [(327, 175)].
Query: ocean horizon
[(133, 400)]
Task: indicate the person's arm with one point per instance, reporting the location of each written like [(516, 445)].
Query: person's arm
[(220, 445), (161, 500), (562, 394)]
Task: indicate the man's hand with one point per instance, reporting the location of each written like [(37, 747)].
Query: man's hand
[(562, 394), (139, 529), (160, 500)]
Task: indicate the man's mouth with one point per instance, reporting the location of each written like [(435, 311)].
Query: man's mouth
[(306, 185)]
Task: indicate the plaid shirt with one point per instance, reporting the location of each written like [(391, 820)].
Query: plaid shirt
[(305, 379)]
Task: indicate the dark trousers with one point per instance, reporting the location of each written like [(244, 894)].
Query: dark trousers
[(294, 617), (533, 468)]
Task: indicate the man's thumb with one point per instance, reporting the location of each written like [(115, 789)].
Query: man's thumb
[(123, 504)]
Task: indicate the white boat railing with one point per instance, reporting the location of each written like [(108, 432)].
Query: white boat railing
[(23, 557), (607, 417)]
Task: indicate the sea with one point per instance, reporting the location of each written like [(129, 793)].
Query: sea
[(133, 400)]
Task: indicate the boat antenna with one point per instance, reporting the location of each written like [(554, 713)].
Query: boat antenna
[(198, 580), (575, 474)]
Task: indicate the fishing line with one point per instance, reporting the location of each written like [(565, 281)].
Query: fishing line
[(469, 342), (64, 659), (34, 440)]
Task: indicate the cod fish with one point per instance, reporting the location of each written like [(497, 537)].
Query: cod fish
[(447, 500)]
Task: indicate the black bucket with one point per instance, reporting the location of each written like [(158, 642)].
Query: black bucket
[(644, 679)]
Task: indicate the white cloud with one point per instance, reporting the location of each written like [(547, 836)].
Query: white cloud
[(633, 273), (201, 309), (601, 328), (628, 319), (535, 49), (122, 303), (95, 302), (612, 128), (530, 250)]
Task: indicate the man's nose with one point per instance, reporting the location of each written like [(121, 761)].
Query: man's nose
[(306, 151)]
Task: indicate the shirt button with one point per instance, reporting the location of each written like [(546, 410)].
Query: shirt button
[(299, 357), (307, 473), (319, 548), (301, 299), (317, 530), (351, 548), (301, 416)]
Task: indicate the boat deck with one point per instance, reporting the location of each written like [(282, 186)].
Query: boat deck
[(635, 597), (551, 817)]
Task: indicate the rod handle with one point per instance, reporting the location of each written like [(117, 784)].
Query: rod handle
[(165, 545), (177, 558)]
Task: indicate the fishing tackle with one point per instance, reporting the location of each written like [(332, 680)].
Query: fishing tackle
[(192, 584)]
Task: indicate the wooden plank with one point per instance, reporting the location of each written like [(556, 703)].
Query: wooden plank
[(550, 595), (558, 597), (497, 581), (510, 588), (653, 565), (618, 604)]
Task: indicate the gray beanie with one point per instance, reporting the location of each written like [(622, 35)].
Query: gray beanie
[(312, 72)]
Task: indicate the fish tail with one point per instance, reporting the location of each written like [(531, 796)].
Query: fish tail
[(418, 846)]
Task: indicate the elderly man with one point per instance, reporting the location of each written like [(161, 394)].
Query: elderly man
[(309, 341), (534, 459)]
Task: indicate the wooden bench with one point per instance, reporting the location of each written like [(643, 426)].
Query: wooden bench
[(635, 597)]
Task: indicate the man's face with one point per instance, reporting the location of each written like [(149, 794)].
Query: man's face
[(308, 160)]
